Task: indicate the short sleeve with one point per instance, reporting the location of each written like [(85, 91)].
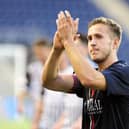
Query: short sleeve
[(77, 87), (117, 80)]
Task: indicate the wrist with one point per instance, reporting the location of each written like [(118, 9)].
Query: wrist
[(68, 43), (57, 50)]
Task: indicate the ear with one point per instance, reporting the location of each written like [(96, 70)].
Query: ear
[(116, 43)]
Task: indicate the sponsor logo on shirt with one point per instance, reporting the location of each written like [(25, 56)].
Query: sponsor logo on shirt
[(93, 106)]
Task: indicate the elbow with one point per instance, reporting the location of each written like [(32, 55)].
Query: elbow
[(94, 83), (44, 80), (45, 83), (87, 82)]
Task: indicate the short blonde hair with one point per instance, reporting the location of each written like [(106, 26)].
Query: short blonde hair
[(114, 27)]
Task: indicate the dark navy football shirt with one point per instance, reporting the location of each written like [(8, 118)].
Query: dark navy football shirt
[(106, 109)]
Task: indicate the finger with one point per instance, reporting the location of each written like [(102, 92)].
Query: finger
[(73, 23), (69, 19), (76, 36), (61, 15), (76, 22), (57, 22), (67, 13), (68, 16), (57, 33), (61, 19)]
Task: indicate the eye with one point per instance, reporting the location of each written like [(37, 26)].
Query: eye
[(89, 38)]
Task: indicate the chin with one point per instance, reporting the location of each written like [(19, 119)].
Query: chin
[(97, 60), (93, 58)]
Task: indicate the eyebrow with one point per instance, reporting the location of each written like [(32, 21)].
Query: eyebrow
[(95, 34)]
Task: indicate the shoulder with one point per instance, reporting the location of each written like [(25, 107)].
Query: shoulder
[(34, 66), (120, 67), (117, 78)]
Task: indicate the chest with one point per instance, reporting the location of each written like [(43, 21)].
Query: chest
[(93, 102)]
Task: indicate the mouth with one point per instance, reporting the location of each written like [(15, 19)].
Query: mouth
[(94, 51)]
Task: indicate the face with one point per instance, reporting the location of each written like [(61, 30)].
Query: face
[(41, 52), (99, 42)]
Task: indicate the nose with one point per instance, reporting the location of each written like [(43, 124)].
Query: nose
[(92, 42)]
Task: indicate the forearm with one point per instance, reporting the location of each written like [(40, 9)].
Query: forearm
[(59, 124), (77, 124), (36, 118), (20, 101), (50, 70), (37, 113), (82, 68)]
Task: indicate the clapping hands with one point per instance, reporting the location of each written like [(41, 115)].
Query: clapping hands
[(67, 29)]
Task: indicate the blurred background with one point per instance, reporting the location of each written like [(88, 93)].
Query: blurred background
[(24, 21)]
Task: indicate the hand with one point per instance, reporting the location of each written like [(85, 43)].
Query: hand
[(34, 126), (77, 124), (66, 26), (57, 43), (20, 108)]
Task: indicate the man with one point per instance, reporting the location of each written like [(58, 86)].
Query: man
[(105, 91), (40, 48)]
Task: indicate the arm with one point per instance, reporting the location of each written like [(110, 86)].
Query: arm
[(20, 101), (59, 124), (51, 78), (37, 114), (86, 74), (77, 124)]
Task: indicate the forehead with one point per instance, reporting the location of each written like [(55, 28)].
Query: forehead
[(98, 28), (40, 47)]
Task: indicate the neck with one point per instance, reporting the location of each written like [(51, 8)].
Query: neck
[(42, 61), (105, 64)]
